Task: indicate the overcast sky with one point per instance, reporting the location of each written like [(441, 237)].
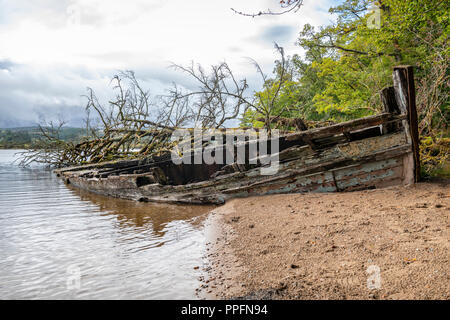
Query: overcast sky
[(51, 50)]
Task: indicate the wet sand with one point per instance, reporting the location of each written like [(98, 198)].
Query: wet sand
[(331, 246)]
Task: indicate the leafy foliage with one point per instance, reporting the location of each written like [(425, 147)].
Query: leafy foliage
[(346, 65)]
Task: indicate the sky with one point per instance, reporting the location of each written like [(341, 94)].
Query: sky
[(52, 50)]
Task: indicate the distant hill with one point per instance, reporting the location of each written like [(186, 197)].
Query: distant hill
[(18, 138)]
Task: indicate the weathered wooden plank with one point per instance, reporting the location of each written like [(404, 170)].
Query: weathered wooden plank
[(349, 172), (406, 100), (389, 101), (371, 175), (390, 105), (110, 164), (327, 166), (348, 126), (353, 149)]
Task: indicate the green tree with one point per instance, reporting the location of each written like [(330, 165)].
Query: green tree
[(349, 62)]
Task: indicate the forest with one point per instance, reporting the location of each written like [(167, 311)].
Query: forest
[(26, 137)]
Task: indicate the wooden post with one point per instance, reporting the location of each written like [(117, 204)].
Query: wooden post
[(389, 102), (405, 96), (390, 106)]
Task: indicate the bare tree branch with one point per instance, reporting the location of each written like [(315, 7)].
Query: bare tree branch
[(287, 5)]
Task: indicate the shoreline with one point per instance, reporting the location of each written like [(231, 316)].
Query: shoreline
[(326, 246)]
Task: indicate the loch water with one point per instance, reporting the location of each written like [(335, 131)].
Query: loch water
[(57, 242)]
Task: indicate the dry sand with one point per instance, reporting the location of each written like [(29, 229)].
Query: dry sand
[(327, 246)]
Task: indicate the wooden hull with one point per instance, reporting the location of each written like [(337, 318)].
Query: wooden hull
[(371, 152), (369, 163)]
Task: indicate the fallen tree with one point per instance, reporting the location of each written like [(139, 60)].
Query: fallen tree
[(119, 130), (132, 125)]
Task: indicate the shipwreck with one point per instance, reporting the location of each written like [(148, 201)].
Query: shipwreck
[(366, 153)]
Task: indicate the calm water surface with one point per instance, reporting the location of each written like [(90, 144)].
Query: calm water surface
[(60, 243)]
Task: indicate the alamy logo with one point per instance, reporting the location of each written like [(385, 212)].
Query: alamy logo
[(73, 281), (374, 19), (227, 147), (73, 15), (374, 278)]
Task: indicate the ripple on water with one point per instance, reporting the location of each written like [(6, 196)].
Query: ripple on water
[(122, 249)]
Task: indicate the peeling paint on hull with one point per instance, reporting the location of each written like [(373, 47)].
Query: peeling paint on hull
[(371, 163)]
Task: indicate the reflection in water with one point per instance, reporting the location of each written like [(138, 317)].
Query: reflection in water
[(142, 216), (122, 249)]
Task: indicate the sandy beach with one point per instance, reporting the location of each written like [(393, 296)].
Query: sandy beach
[(388, 243)]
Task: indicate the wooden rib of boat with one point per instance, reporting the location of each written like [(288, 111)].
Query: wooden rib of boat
[(371, 152)]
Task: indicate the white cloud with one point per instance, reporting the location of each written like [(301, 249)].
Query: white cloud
[(60, 47)]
